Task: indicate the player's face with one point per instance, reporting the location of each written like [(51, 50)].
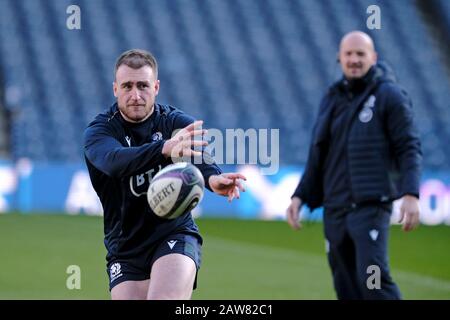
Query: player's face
[(135, 90), (356, 57)]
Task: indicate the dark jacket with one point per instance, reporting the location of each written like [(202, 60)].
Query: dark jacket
[(121, 163), (383, 147)]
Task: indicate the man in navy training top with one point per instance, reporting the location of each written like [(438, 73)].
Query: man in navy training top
[(365, 152), (148, 257)]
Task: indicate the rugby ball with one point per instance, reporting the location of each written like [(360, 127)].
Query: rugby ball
[(175, 190)]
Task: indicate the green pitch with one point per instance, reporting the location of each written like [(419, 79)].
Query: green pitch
[(241, 259)]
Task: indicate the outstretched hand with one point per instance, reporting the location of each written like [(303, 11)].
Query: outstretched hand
[(183, 143), (227, 184)]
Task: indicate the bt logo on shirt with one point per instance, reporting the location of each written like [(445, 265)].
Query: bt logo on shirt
[(139, 183)]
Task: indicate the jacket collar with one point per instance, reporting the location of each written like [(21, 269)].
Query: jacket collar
[(114, 112)]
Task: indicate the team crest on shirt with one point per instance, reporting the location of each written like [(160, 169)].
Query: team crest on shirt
[(157, 136), (366, 113), (370, 102)]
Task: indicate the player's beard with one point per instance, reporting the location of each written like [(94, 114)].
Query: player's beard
[(137, 112)]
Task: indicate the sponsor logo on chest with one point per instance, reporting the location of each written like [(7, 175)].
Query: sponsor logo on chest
[(139, 183)]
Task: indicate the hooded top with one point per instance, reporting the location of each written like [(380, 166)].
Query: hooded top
[(122, 158), (382, 156)]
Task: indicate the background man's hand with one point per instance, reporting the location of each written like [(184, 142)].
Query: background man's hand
[(227, 184), (409, 212), (293, 213)]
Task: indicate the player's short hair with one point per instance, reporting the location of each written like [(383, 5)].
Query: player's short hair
[(137, 58)]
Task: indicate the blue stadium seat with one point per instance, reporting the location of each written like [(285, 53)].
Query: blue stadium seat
[(235, 64)]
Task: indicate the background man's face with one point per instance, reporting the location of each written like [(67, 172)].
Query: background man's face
[(356, 56), (135, 90)]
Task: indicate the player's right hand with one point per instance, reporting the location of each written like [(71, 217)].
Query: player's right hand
[(293, 213), (182, 143)]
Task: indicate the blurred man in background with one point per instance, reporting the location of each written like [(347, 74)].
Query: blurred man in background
[(148, 257), (364, 134)]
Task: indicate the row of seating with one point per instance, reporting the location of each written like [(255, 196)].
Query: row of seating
[(235, 64)]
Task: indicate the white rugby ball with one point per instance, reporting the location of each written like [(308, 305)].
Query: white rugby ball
[(175, 190)]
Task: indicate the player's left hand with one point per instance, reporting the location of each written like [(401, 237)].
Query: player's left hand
[(409, 212), (227, 184)]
